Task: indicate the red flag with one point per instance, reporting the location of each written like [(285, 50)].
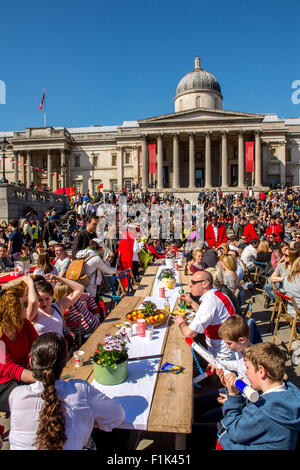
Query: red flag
[(249, 156), (42, 100), (152, 158), (100, 186)]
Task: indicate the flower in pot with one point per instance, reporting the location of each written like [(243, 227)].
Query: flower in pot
[(110, 359), (167, 278)]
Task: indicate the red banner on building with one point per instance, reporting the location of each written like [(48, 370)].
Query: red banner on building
[(152, 158), (249, 156)]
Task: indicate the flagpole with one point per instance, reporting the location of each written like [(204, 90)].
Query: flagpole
[(44, 108)]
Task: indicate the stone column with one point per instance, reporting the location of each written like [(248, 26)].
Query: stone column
[(175, 161), (120, 168), (49, 169), (63, 167), (192, 182), (208, 160), (160, 157), (145, 170), (257, 159), (282, 159), (241, 160), (16, 166), (29, 164), (224, 160), (23, 177)]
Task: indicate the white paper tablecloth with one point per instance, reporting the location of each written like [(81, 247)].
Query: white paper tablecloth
[(135, 395)]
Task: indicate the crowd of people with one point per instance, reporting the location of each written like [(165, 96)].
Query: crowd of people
[(47, 315)]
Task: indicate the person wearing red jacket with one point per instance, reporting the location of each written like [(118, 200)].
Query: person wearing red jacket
[(215, 233), (249, 230), (274, 229)]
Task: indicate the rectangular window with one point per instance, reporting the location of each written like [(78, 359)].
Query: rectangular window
[(114, 160), (127, 184), (288, 155), (114, 185), (77, 161), (127, 158)]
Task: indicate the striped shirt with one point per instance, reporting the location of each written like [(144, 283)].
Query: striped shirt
[(83, 315)]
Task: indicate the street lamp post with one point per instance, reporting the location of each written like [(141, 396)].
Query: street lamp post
[(63, 169), (4, 145)]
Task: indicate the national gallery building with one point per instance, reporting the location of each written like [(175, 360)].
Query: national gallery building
[(199, 145)]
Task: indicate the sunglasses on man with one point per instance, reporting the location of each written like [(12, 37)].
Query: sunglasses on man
[(197, 282)]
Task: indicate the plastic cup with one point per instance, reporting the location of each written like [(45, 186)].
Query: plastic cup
[(141, 328), (78, 358), (162, 293), (149, 334), (134, 329)]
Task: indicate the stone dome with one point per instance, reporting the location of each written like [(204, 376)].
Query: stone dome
[(198, 79)]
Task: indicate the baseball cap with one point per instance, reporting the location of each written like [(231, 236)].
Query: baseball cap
[(53, 242), (98, 241)]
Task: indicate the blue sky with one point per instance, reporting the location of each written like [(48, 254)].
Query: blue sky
[(105, 62)]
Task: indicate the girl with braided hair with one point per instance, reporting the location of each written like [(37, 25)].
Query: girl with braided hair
[(52, 414)]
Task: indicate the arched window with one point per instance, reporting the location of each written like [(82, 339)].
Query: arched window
[(198, 102), (180, 105)]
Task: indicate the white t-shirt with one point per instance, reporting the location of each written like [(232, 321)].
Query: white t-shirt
[(50, 323), (62, 264), (213, 310), (83, 405)]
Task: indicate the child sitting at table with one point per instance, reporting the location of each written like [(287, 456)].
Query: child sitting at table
[(53, 414), (273, 422), (235, 332)]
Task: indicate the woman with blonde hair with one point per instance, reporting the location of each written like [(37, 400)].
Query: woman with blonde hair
[(17, 336), (44, 266), (264, 252), (229, 267), (291, 286)]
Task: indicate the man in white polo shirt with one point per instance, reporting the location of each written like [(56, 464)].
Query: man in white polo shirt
[(213, 310), (62, 259)]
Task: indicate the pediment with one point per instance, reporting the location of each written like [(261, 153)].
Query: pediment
[(198, 115)]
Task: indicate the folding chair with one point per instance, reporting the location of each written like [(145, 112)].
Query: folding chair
[(117, 286), (258, 265), (131, 276), (276, 304), (283, 314)]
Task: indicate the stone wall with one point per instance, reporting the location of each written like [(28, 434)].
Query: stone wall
[(14, 200)]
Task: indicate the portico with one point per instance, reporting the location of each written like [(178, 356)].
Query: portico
[(202, 159)]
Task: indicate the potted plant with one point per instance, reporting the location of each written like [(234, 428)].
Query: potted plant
[(110, 360), (23, 264), (170, 259), (167, 278)]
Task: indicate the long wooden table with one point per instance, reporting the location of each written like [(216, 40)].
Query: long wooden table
[(172, 403)]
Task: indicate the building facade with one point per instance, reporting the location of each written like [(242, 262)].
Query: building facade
[(200, 145)]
